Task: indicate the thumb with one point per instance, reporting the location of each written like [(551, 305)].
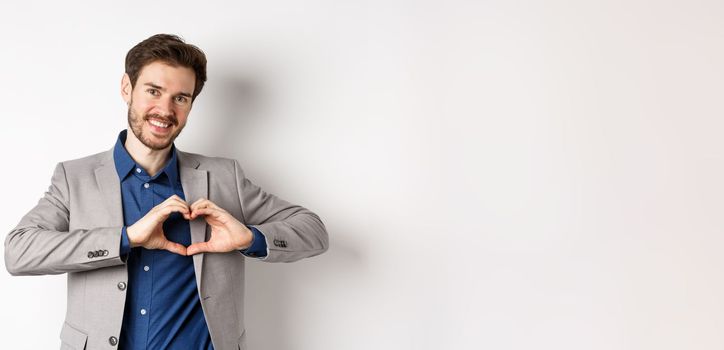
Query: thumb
[(196, 248), (175, 248)]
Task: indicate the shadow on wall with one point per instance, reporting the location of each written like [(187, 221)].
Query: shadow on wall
[(241, 110), (278, 306), (272, 290)]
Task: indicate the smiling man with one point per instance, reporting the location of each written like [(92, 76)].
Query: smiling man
[(153, 239)]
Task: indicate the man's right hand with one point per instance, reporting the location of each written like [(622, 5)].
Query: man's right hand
[(148, 231)]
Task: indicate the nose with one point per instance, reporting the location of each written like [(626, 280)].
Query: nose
[(164, 107)]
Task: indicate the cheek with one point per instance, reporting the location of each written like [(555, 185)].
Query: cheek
[(138, 109), (139, 104), (145, 108), (182, 117), (182, 114)]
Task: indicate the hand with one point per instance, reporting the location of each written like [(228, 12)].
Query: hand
[(227, 233), (148, 231)]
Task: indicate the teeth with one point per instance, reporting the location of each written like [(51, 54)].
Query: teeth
[(159, 124)]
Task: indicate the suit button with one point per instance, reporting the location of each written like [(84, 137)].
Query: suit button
[(113, 341), (105, 253), (122, 285), (90, 255)]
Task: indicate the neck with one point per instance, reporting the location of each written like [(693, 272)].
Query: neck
[(151, 160)]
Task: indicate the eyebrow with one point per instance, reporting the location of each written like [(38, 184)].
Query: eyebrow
[(186, 94)]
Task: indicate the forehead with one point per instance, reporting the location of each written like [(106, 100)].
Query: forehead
[(172, 78)]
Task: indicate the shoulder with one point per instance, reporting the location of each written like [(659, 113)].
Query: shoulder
[(214, 165), (90, 162)]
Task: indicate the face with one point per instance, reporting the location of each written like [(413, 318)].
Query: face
[(159, 103)]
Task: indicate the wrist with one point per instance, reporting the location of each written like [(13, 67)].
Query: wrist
[(247, 238), (132, 238)]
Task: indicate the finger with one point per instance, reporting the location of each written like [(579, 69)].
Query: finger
[(163, 213), (198, 201), (174, 247), (179, 202), (175, 197), (207, 204), (214, 213), (174, 208), (199, 205), (196, 205), (212, 204), (203, 203), (176, 200), (172, 201), (196, 248)]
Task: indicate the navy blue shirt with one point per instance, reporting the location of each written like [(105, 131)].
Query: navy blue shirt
[(163, 310)]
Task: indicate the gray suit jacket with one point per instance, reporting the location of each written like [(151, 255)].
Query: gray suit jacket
[(76, 228)]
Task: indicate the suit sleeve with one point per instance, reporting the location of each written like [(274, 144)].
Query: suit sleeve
[(42, 243), (292, 232)]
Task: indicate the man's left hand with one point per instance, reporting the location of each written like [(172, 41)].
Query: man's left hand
[(227, 233)]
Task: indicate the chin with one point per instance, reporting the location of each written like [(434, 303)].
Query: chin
[(154, 142)]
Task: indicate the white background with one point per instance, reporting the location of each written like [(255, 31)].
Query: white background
[(493, 174)]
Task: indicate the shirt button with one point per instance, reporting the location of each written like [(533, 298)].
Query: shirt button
[(113, 341), (138, 170), (146, 185), (146, 268), (143, 311), (122, 285)]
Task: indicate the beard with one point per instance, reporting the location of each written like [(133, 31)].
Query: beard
[(137, 123)]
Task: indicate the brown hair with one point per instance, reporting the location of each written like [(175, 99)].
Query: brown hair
[(170, 49)]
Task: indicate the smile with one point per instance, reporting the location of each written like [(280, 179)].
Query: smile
[(159, 124)]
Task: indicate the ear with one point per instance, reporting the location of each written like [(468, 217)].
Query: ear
[(126, 88)]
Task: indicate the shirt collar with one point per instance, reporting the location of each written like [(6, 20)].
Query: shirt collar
[(125, 164)]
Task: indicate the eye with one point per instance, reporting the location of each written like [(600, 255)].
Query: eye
[(181, 99), (153, 92)]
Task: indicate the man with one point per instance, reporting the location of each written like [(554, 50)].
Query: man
[(154, 239)]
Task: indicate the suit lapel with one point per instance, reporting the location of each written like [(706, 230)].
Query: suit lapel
[(195, 185), (110, 187)]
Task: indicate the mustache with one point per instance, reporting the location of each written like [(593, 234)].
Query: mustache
[(171, 119)]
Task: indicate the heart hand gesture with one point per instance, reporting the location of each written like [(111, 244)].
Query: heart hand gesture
[(148, 231), (227, 233)]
